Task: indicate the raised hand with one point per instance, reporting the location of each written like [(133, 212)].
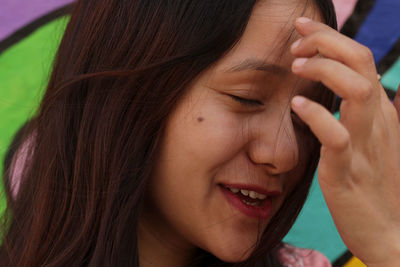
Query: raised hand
[(359, 169)]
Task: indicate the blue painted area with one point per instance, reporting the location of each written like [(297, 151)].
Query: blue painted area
[(381, 30)]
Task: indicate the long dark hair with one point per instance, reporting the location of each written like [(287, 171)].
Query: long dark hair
[(119, 71)]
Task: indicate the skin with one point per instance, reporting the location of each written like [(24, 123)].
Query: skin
[(359, 170), (211, 138)]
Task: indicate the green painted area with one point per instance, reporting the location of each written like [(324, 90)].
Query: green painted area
[(391, 79), (24, 71)]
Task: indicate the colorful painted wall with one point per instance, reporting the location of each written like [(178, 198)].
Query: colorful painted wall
[(30, 31)]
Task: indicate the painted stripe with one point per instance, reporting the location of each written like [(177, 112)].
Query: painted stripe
[(361, 11), (391, 79), (30, 28), (354, 262), (344, 9), (15, 14), (343, 259), (381, 30), (390, 58)]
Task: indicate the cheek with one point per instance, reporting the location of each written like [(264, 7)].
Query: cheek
[(192, 152), (199, 139), (204, 137)]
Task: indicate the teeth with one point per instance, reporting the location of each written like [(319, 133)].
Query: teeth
[(251, 203), (244, 192), (252, 194), (234, 190), (261, 196)]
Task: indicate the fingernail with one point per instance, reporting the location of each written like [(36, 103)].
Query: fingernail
[(295, 44), (303, 20), (298, 63), (298, 101)]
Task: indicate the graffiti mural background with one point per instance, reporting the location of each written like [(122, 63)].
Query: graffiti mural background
[(30, 31)]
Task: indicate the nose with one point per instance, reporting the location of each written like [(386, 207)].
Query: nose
[(273, 143)]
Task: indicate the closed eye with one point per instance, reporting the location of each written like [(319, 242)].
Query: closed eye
[(246, 101)]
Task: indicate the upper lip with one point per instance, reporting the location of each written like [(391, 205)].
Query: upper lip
[(252, 187)]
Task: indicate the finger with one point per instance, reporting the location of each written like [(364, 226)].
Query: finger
[(359, 103), (321, 39), (329, 131), (336, 148), (396, 102), (341, 79), (307, 26), (335, 140)]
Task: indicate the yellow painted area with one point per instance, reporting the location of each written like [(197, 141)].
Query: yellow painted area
[(354, 262)]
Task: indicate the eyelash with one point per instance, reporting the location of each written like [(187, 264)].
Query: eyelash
[(246, 101), (253, 103)]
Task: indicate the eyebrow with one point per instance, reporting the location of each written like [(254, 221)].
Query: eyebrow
[(259, 65)]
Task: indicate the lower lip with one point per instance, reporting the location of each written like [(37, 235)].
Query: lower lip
[(257, 212)]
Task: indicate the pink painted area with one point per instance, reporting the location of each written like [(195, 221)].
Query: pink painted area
[(300, 257), (15, 14), (344, 9)]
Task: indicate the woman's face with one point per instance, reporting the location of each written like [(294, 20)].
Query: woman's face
[(232, 149)]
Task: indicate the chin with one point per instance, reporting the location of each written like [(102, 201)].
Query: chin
[(234, 257), (233, 253)]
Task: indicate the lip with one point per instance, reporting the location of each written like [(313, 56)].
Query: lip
[(255, 212)]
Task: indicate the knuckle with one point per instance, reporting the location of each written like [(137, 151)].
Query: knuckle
[(323, 70), (365, 55), (363, 93), (322, 38), (342, 141)]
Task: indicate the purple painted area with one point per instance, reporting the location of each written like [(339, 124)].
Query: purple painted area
[(15, 14)]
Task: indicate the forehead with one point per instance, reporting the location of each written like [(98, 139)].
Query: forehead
[(270, 32)]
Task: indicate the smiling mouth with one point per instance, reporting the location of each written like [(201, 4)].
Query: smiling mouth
[(249, 197), (253, 201)]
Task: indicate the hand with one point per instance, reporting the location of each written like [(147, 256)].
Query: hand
[(359, 169)]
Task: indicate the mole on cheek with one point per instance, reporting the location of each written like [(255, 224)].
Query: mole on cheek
[(200, 119)]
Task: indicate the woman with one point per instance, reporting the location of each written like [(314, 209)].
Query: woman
[(170, 134)]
